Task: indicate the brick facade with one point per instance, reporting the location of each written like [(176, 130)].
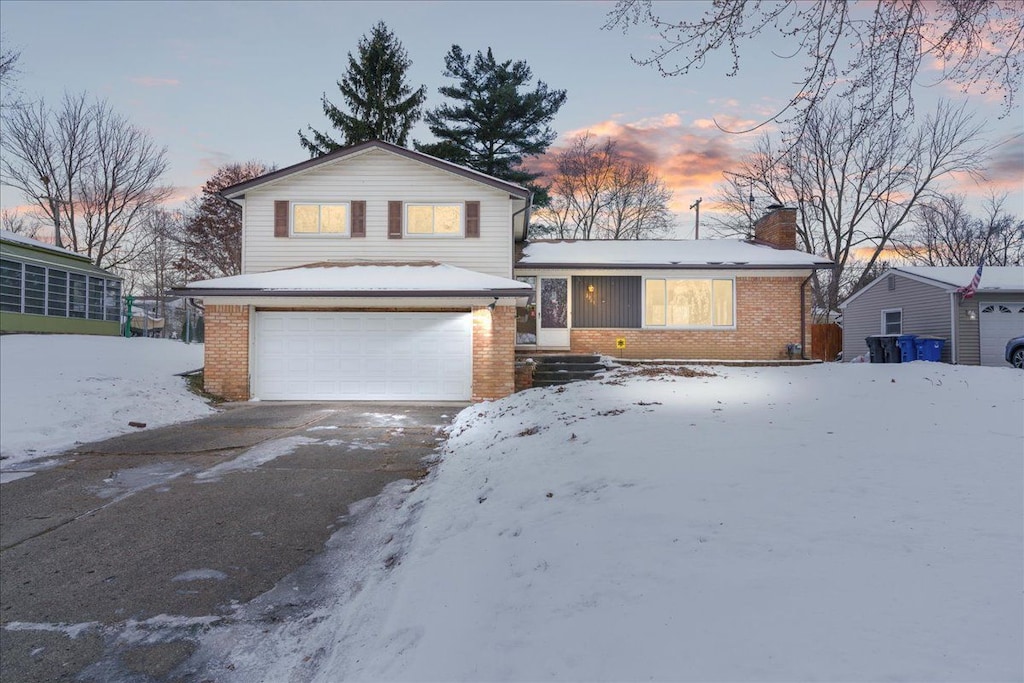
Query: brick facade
[(494, 343), (767, 319), (226, 371)]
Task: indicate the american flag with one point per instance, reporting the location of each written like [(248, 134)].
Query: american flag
[(970, 289)]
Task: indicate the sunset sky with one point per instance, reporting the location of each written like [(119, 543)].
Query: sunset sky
[(221, 82)]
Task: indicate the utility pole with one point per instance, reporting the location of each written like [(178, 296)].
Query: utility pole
[(54, 211), (696, 221)]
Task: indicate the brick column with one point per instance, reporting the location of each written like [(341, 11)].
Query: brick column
[(494, 352), (226, 371)]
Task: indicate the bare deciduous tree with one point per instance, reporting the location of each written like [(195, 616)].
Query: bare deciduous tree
[(597, 193), (869, 53), (89, 170), (944, 233), (9, 58), (856, 184), (211, 236), (19, 223)]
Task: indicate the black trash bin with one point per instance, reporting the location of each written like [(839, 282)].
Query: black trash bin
[(891, 348), (874, 343)]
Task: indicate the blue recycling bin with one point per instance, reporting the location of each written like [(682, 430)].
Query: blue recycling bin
[(908, 349), (929, 348)]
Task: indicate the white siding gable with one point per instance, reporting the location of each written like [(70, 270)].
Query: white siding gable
[(377, 177)]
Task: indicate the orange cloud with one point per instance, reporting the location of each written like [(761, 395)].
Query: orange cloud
[(155, 82), (689, 156)]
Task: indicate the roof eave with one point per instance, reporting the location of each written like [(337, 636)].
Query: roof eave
[(197, 292), (671, 266)]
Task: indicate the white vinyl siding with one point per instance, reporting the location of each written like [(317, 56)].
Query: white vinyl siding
[(378, 177)]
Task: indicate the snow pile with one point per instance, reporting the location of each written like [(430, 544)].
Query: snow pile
[(59, 390), (839, 522)]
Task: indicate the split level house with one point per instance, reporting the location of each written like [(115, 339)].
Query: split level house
[(380, 273)]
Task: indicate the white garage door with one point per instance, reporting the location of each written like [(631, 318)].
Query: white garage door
[(363, 356), (999, 324)]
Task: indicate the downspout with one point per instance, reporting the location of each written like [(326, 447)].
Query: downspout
[(803, 317), (953, 313), (526, 217)]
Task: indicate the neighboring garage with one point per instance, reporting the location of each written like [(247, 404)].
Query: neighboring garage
[(360, 355), (999, 323), (928, 301)]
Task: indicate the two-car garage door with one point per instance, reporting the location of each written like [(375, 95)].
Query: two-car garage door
[(332, 356)]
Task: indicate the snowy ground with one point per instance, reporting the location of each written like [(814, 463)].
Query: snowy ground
[(59, 390), (833, 523)]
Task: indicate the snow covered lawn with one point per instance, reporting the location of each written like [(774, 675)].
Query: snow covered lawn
[(835, 523), (59, 390)]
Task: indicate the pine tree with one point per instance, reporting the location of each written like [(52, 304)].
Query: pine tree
[(381, 104), (493, 122)]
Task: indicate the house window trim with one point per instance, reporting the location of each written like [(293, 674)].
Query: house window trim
[(318, 234), (461, 206), (891, 310), (698, 328)]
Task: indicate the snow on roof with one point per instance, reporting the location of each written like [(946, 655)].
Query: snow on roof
[(417, 276), (993, 278), (663, 254), (8, 236)]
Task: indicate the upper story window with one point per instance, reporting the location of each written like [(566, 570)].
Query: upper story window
[(443, 220), (689, 303), (320, 219)]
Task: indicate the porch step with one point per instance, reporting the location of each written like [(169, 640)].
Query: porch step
[(560, 369)]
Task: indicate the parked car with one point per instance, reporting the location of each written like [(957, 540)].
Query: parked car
[(1015, 352)]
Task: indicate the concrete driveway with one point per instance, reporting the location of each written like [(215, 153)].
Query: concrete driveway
[(171, 528)]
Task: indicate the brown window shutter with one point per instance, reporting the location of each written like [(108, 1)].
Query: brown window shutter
[(280, 219), (472, 219), (358, 219), (395, 220)]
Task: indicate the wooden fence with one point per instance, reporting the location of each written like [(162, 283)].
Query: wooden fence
[(826, 341)]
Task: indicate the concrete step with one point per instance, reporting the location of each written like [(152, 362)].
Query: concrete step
[(560, 376), (571, 367), (568, 358)]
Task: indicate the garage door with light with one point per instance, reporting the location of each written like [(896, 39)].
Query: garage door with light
[(363, 356), (999, 324)]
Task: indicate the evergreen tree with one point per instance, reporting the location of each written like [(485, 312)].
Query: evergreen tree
[(381, 104), (492, 121)]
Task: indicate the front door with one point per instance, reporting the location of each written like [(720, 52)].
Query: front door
[(553, 309)]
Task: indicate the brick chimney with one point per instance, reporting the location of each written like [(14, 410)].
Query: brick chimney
[(777, 228)]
